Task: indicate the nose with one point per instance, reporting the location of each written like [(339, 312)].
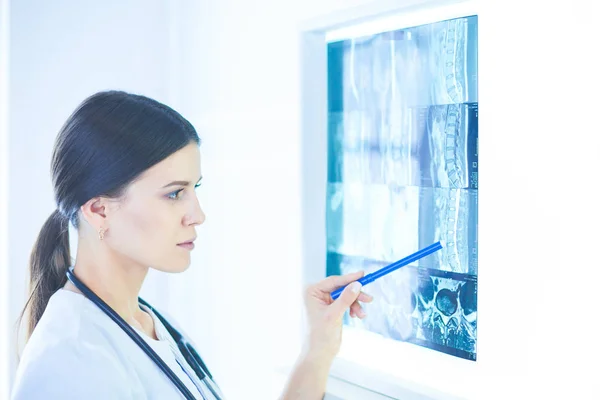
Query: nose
[(196, 215)]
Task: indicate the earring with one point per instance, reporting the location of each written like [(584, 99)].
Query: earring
[(101, 233)]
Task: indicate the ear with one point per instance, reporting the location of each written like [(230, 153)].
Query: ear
[(95, 212)]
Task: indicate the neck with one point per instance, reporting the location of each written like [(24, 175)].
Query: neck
[(116, 281)]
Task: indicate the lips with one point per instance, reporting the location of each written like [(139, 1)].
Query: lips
[(189, 245)]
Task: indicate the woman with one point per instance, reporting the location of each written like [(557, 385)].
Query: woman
[(124, 171)]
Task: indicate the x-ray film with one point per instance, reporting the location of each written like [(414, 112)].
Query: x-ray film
[(403, 173)]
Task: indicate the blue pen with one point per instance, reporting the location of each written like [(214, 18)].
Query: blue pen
[(392, 267)]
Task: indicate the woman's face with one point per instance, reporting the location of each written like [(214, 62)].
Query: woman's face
[(154, 223)]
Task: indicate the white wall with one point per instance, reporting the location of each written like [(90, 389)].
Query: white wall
[(4, 282)]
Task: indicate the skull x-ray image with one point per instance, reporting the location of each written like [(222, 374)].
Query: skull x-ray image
[(403, 174)]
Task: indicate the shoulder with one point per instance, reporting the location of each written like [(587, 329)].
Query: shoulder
[(67, 358), (69, 371)]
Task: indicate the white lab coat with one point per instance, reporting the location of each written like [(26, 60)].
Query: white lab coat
[(77, 352)]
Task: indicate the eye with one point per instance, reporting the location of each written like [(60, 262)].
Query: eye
[(198, 185), (175, 195)]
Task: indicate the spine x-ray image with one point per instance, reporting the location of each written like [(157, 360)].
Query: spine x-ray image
[(403, 174)]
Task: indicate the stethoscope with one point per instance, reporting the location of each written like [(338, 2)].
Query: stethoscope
[(187, 350)]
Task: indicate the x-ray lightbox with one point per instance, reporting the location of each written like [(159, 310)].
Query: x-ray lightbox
[(390, 145)]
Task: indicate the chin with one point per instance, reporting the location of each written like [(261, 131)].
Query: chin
[(174, 267)]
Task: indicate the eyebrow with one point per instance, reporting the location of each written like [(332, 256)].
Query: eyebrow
[(180, 183)]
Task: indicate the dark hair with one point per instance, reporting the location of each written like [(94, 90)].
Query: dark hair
[(110, 139)]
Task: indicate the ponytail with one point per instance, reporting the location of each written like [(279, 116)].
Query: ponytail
[(50, 258)]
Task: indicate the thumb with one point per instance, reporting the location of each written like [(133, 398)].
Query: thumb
[(348, 296)]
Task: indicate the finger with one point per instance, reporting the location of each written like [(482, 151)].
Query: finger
[(333, 282), (352, 313), (348, 296), (365, 298), (357, 310)]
